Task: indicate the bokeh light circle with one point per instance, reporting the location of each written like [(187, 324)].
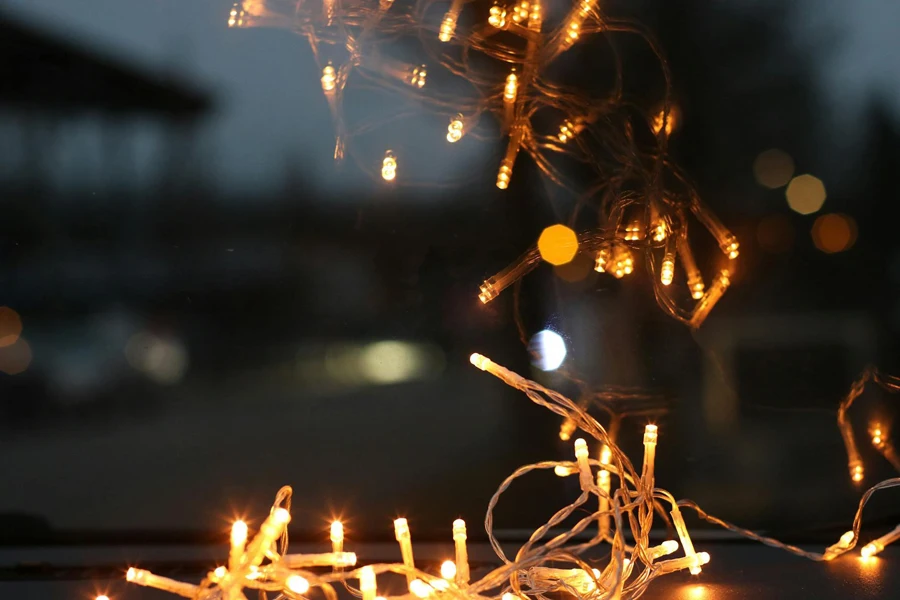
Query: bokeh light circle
[(773, 168), (834, 232), (558, 244), (805, 194), (549, 350)]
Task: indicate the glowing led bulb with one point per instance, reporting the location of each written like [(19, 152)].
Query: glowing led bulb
[(337, 536), (870, 549), (650, 437), (238, 543), (877, 435), (389, 166), (661, 119), (876, 546), (581, 449), (329, 77), (602, 260), (512, 86), (297, 584), (367, 584), (572, 31), (448, 27), (660, 231), (664, 549), (418, 76), (219, 573), (239, 533), (566, 131), (455, 129), (448, 570), (521, 11), (856, 471), (667, 272), (566, 430), (731, 247), (236, 16), (634, 231), (420, 589), (102, 597), (504, 175), (842, 544), (281, 516), (497, 17), (482, 362), (487, 292), (563, 471), (461, 565), (401, 532)]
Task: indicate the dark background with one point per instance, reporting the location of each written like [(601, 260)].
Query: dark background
[(206, 299)]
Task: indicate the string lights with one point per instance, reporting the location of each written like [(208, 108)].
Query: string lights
[(637, 219), (498, 64), (622, 522)]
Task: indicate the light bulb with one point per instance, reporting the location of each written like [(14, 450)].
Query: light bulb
[(297, 584), (238, 534), (367, 583), (667, 272), (329, 77), (566, 131), (418, 76), (337, 532), (870, 549), (634, 231), (482, 362), (664, 549), (455, 129), (602, 260), (420, 589), (219, 572), (281, 516), (503, 175), (566, 430), (448, 27), (650, 434), (660, 231), (856, 471), (497, 17), (581, 450), (102, 597), (448, 570), (389, 166), (564, 471), (731, 247), (512, 86)]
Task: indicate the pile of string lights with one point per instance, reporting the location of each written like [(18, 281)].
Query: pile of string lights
[(489, 71), (616, 511)]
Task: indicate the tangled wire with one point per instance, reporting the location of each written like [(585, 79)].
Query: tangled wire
[(627, 503), (499, 71)]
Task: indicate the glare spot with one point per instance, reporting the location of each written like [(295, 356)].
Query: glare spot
[(15, 358), (834, 233), (163, 359), (558, 244), (390, 362), (775, 233), (549, 349), (10, 326), (773, 168), (805, 194)]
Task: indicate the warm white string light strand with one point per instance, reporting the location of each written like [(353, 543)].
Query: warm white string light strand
[(622, 523), (642, 202)]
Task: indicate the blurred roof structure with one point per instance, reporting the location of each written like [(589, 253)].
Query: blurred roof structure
[(42, 73)]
